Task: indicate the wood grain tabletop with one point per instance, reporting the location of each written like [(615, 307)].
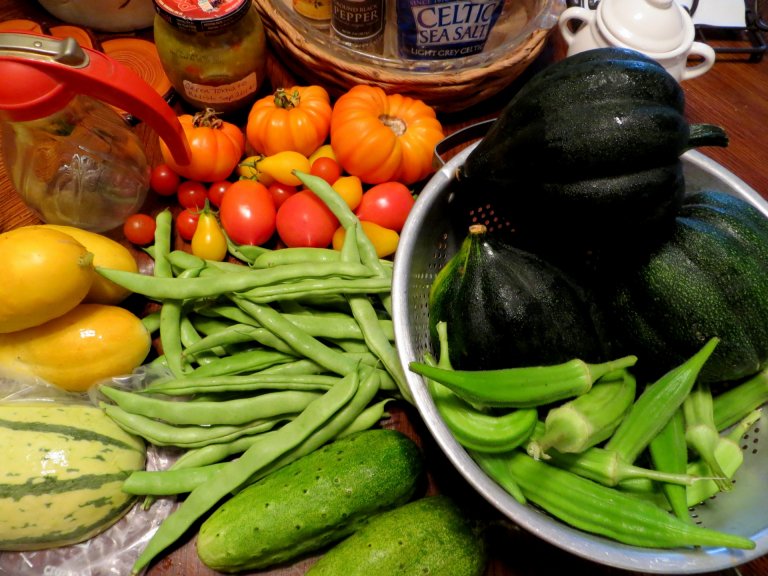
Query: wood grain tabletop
[(734, 95)]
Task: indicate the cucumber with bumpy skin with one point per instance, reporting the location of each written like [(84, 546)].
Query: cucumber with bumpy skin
[(312, 502), (427, 536)]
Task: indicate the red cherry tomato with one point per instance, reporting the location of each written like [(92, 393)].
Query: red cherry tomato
[(186, 223), (387, 204), (163, 180), (280, 192), (247, 213), (326, 168), (304, 220), (216, 191), (139, 229), (192, 194)]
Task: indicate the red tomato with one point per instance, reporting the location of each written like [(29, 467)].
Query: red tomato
[(387, 204), (163, 180), (216, 191), (192, 194), (326, 168), (186, 223), (247, 213), (139, 229), (304, 220), (280, 192)]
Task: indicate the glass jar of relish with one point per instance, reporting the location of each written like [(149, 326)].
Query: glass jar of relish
[(213, 51)]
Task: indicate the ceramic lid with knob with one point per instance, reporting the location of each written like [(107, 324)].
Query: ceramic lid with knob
[(646, 25)]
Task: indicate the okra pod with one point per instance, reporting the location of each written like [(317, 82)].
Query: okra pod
[(588, 419), (598, 509), (669, 453), (730, 457), (700, 431), (523, 387), (495, 466), (656, 405), (473, 429), (731, 406)]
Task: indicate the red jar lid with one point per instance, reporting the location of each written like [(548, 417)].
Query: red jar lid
[(202, 15)]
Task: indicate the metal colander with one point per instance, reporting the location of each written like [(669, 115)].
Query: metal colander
[(435, 229)]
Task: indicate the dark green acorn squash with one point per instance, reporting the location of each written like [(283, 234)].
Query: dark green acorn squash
[(590, 146), (505, 307), (709, 278)]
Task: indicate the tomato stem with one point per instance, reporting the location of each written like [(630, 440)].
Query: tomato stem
[(285, 100), (207, 118), (394, 123)]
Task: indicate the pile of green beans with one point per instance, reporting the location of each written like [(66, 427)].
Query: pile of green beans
[(260, 362), (600, 452)]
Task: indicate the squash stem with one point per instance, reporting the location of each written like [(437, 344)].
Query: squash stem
[(706, 135)]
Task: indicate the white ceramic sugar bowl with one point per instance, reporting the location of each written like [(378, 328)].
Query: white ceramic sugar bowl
[(661, 29)]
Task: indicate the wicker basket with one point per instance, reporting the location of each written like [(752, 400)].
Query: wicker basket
[(448, 86)]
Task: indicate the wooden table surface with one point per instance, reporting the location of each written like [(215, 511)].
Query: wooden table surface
[(734, 95)]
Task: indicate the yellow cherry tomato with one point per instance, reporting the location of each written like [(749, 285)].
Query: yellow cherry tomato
[(351, 189), (384, 240), (280, 166), (247, 170), (209, 241), (325, 151)]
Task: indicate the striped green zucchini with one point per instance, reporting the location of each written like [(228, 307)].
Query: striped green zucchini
[(62, 473)]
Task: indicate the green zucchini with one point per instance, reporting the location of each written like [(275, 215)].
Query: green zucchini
[(427, 536), (312, 502), (62, 473)]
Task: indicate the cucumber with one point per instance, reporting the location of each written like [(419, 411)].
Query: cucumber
[(312, 502), (427, 536)]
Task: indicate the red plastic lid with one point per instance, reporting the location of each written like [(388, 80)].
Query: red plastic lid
[(203, 15), (29, 93)]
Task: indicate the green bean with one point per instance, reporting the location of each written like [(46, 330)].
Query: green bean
[(230, 412), (522, 387), (296, 367), (242, 363), (151, 321), (181, 260), (164, 288), (368, 418), (598, 509), (215, 453), (700, 431), (244, 252), (656, 405), (259, 456), (240, 334), (734, 404), (299, 255), (337, 326), (315, 288), (162, 434), (669, 453), (240, 383), (168, 482), (303, 344), (162, 244), (190, 337), (170, 331), (365, 314)]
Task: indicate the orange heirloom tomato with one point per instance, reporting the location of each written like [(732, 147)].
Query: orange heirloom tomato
[(381, 137), (351, 189), (216, 147), (296, 119)]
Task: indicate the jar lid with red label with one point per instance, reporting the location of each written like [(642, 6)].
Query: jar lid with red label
[(202, 15)]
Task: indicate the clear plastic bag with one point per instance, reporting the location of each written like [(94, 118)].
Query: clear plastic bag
[(114, 551)]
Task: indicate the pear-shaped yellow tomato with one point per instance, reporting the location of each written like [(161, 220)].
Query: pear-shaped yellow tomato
[(46, 274), (385, 241), (107, 253), (74, 351), (208, 241)]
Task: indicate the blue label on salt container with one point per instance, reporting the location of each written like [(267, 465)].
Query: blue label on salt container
[(440, 29)]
